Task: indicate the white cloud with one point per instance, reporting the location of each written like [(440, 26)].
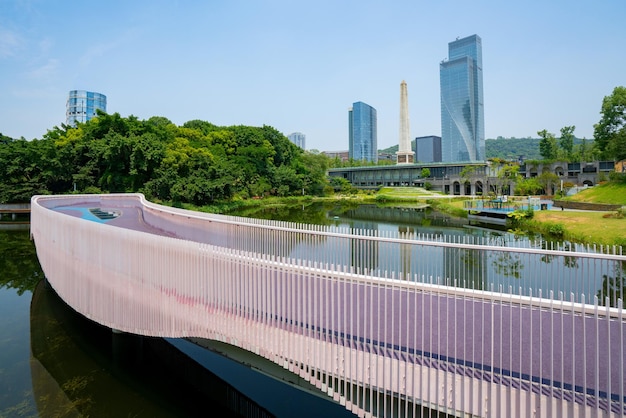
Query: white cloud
[(97, 51), (46, 71), (10, 43)]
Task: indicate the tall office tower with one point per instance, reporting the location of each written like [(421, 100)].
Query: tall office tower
[(363, 136), (462, 113), (405, 154), (82, 105), (298, 138), (428, 149)]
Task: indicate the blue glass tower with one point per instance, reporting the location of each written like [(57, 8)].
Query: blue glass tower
[(462, 112), (363, 136), (82, 105)]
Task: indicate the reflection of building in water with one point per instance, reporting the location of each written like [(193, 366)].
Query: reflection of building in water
[(422, 219), (406, 250), (364, 254)]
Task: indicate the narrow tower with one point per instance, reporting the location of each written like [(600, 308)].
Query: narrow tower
[(405, 154)]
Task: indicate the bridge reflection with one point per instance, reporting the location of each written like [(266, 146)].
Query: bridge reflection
[(79, 368)]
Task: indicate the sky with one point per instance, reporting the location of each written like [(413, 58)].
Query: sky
[(299, 65)]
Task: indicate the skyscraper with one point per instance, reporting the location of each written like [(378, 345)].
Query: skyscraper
[(298, 138), (428, 149), (462, 113), (81, 106), (363, 136)]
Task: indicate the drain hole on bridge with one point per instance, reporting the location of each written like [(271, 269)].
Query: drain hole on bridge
[(104, 214)]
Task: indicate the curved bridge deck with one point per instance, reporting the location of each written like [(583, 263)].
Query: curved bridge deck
[(380, 341)]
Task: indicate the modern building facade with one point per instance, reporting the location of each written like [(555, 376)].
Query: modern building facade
[(428, 149), (363, 132), (462, 112), (298, 138), (82, 105)]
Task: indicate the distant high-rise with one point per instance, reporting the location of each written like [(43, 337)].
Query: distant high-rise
[(428, 149), (298, 138), (363, 136), (82, 105), (462, 113), (405, 154)]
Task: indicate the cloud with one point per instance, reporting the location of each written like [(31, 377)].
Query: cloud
[(97, 51), (46, 71), (10, 43)]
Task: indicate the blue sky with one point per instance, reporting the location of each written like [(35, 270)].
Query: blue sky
[(299, 65)]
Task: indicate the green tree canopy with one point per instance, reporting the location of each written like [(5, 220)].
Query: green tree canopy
[(197, 162), (610, 131), (548, 147), (566, 141)]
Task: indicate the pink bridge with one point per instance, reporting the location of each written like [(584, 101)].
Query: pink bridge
[(380, 343)]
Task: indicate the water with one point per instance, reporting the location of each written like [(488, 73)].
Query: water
[(56, 363), (501, 268)]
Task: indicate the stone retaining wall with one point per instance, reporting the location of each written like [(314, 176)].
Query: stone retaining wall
[(567, 204)]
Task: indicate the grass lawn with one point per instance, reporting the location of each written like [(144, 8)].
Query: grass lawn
[(612, 193), (406, 192), (585, 226)]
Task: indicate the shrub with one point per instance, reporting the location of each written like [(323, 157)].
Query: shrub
[(617, 177), (92, 190), (518, 216), (555, 229)]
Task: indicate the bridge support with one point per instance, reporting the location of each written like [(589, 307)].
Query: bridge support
[(126, 349)]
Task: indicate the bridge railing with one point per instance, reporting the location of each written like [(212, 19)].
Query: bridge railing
[(386, 343), (472, 262)]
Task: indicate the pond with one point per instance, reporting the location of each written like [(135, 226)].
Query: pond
[(485, 259)]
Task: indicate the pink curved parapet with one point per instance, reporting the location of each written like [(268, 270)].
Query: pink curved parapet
[(377, 345)]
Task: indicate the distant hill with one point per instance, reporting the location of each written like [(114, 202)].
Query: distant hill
[(512, 148), (505, 148)]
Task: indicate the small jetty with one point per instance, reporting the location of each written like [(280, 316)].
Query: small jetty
[(12, 210)]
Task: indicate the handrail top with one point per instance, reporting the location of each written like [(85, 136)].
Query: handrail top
[(316, 229)]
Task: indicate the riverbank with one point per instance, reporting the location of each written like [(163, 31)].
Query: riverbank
[(603, 228), (592, 227)]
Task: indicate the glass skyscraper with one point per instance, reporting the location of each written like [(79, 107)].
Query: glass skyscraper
[(298, 138), (462, 111), (363, 136), (82, 105)]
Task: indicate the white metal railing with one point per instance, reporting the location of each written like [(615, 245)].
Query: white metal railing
[(380, 344)]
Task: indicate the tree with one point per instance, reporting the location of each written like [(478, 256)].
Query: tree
[(425, 172), (547, 145), (567, 140), (528, 186), (508, 173), (547, 180), (610, 132)]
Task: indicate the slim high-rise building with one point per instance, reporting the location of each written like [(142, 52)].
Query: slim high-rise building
[(298, 138), (82, 105), (363, 136), (462, 113)]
